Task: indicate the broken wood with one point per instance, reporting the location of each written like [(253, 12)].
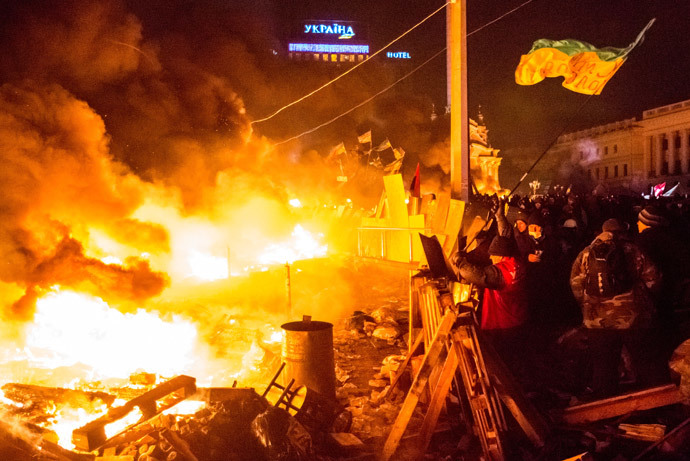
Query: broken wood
[(420, 382), (30, 394), (620, 405), (92, 435), (644, 432), (678, 434)]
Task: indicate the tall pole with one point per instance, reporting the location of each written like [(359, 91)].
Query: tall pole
[(456, 38)]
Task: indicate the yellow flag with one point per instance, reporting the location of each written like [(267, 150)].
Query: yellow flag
[(585, 69)]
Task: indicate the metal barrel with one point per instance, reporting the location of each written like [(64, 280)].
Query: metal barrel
[(308, 355)]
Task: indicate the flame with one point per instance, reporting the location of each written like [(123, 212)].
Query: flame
[(71, 328), (304, 245)]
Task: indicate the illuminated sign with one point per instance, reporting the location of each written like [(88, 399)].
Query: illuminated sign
[(398, 55), (328, 48), (342, 31)]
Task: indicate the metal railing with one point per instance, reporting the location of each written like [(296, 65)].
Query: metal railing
[(385, 234)]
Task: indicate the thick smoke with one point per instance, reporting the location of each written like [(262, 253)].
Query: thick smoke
[(57, 177)]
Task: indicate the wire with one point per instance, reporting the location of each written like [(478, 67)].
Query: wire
[(361, 103), (394, 83), (349, 70)]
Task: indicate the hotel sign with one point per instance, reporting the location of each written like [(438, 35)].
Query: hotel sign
[(398, 55)]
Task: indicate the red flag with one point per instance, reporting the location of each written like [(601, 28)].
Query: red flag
[(415, 186), (659, 189)]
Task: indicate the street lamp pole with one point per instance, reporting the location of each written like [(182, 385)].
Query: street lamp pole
[(456, 65)]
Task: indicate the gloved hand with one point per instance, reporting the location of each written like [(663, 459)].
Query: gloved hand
[(458, 258)]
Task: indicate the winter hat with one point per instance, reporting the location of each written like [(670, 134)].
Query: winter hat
[(652, 216), (522, 215), (536, 218), (612, 225), (569, 223), (501, 246)]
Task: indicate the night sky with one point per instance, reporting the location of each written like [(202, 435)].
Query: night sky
[(655, 73), (235, 42)]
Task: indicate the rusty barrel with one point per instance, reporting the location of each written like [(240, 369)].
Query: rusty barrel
[(308, 355)]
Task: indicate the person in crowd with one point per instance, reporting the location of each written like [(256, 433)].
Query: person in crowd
[(613, 281), (668, 249), (504, 298), (541, 266), (518, 232)]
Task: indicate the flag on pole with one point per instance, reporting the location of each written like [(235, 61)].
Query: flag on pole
[(336, 152), (384, 145), (395, 166), (415, 187), (365, 138), (585, 68), (670, 192), (659, 189)]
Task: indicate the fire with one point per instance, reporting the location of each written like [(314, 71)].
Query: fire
[(304, 245), (72, 328)]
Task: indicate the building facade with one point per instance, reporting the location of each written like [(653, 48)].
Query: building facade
[(633, 154)]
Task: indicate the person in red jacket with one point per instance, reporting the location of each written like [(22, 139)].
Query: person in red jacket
[(504, 298)]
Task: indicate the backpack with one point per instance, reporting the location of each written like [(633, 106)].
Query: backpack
[(607, 272)]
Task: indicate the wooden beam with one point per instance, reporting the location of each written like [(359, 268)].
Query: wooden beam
[(620, 405), (420, 382), (438, 399)]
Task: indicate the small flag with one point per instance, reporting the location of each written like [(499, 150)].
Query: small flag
[(384, 145), (336, 152), (415, 187), (394, 166), (585, 68), (365, 138), (670, 192), (658, 189)]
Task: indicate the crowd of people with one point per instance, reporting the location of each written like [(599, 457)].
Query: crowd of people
[(616, 267)]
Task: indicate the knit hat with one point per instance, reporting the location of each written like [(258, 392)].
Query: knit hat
[(536, 218), (612, 225), (502, 246), (569, 223), (522, 215), (652, 216)]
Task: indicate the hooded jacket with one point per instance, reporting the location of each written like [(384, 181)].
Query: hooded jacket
[(632, 309)]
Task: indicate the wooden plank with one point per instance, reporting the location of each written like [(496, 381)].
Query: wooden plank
[(533, 424), (438, 399), (428, 364), (438, 224), (453, 224), (395, 196), (655, 397), (477, 225), (417, 253), (397, 241)]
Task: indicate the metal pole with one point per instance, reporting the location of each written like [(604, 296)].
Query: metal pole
[(289, 291), (456, 36)]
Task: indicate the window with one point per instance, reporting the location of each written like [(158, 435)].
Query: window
[(597, 172), (582, 155), (589, 173), (606, 150), (615, 171), (606, 172), (625, 169), (615, 148)]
